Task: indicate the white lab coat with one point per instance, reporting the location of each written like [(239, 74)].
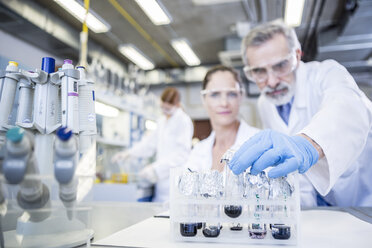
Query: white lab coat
[(200, 158), (171, 142), (330, 108)]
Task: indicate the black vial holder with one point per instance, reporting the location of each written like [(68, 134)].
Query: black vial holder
[(280, 231)]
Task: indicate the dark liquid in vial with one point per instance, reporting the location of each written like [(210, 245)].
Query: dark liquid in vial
[(211, 231), (257, 232), (236, 228), (280, 231), (233, 211), (188, 229), (199, 225)]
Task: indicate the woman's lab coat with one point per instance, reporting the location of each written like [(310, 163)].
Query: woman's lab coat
[(330, 108), (172, 143), (200, 158)]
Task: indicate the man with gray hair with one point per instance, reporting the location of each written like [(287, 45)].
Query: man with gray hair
[(320, 121)]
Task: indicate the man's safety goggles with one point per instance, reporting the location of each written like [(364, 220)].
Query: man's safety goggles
[(282, 68)]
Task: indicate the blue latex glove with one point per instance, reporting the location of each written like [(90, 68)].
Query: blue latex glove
[(271, 148)]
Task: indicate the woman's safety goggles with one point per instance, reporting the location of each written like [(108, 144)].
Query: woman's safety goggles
[(216, 95), (279, 69)]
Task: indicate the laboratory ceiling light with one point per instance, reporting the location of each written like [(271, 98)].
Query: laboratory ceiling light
[(155, 11), (293, 12), (94, 22), (184, 50), (133, 54), (106, 110)]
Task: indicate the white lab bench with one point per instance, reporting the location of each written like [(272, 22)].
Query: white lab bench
[(108, 218)]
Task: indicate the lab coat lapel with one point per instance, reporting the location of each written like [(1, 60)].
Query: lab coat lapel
[(298, 113)]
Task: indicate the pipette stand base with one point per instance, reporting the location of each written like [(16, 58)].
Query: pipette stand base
[(52, 232)]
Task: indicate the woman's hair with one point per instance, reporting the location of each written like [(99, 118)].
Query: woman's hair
[(217, 68), (265, 32), (170, 95)]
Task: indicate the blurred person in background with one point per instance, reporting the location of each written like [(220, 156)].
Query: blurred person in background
[(170, 142)]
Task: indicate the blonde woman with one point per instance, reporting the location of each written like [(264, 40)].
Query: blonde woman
[(222, 95)]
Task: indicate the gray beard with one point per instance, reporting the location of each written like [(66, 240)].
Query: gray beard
[(282, 98)]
